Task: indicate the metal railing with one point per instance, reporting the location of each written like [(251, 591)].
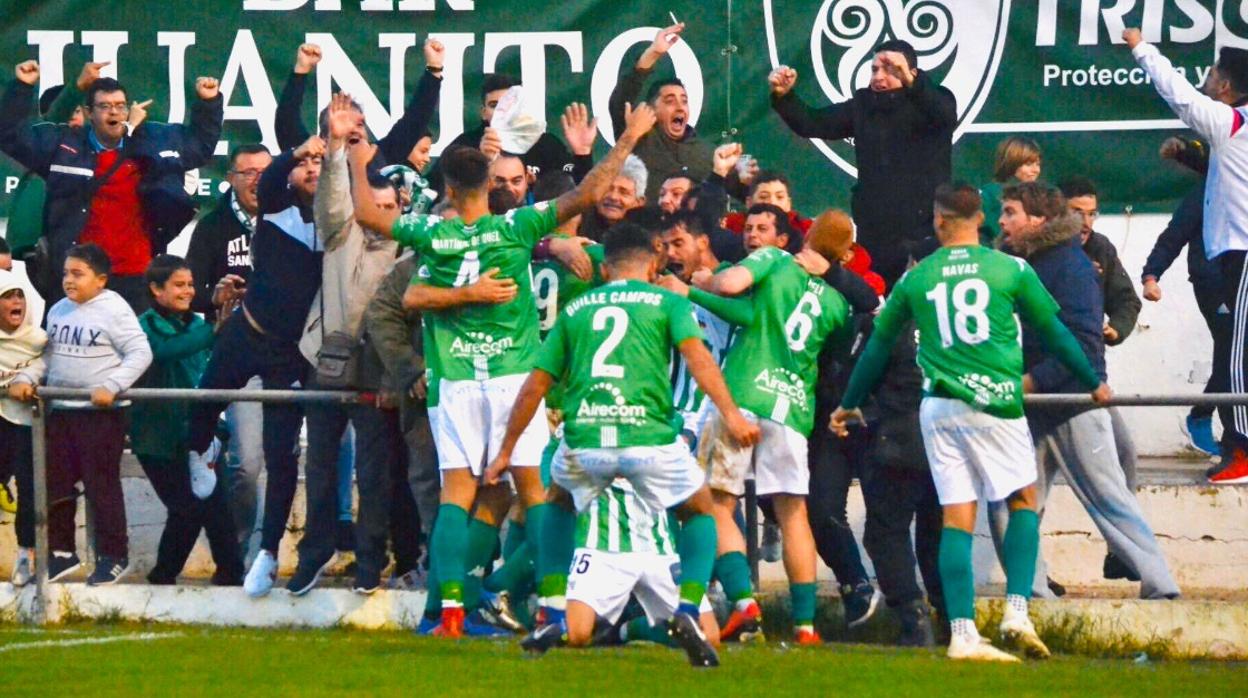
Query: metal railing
[(39, 445)]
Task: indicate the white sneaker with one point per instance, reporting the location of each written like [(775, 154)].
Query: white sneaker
[(1017, 632), (262, 575), (203, 469), (977, 649), (24, 567)]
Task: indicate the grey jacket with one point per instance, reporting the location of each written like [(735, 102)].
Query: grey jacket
[(97, 344)]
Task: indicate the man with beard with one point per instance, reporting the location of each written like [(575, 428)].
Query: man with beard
[(902, 126)]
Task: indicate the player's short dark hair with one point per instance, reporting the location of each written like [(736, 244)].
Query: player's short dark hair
[(247, 149), (501, 200), (648, 217), (103, 85), (552, 185), (1038, 199), (902, 47), (465, 168), (958, 200), (624, 240), (767, 176), (1077, 186), (652, 95), (377, 180), (782, 219), (1233, 65), (691, 221), (495, 82), (162, 267), (93, 255)]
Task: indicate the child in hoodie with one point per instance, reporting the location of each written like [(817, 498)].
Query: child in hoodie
[(95, 342), (181, 342), (21, 369)]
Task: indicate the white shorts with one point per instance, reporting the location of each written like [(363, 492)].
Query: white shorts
[(777, 463), (471, 420), (604, 581), (973, 453), (663, 476)]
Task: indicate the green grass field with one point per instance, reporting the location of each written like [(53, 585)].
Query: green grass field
[(104, 660)]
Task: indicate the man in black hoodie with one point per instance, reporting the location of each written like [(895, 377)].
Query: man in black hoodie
[(902, 126), (1036, 225)]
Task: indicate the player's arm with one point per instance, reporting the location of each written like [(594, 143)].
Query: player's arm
[(732, 281), (367, 213), (487, 290), (1208, 117), (872, 363), (531, 394), (706, 373), (737, 311), (638, 122), (1039, 311)]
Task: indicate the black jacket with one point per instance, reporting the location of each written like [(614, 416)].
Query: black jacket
[(1070, 278), (220, 245), (65, 158), (1186, 227), (903, 142), (393, 148), (1122, 303)]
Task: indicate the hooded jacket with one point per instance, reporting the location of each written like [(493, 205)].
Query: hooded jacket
[(1068, 275), (21, 355), (354, 264), (96, 344), (180, 348)]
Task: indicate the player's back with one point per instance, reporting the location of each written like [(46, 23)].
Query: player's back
[(554, 286), (772, 366), (612, 345), (963, 300)]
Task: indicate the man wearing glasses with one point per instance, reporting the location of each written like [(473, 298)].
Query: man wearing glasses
[(115, 181)]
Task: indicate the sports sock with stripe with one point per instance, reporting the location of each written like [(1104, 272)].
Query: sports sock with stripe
[(957, 577), (696, 545), (1019, 550), (733, 572), (449, 547), (802, 597)]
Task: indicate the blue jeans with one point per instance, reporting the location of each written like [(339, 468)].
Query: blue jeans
[(346, 472)]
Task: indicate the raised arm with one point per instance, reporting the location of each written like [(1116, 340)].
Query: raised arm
[(31, 144), (410, 127), (1210, 118), (367, 213), (833, 122), (331, 206), (288, 119), (638, 122), (628, 87)]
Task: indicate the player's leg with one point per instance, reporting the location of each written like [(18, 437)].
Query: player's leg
[(492, 504), (728, 466), (946, 428), (581, 620)]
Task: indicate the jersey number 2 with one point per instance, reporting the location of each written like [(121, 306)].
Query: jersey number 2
[(619, 325), (966, 311)]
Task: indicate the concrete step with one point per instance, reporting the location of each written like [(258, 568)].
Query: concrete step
[(1203, 531)]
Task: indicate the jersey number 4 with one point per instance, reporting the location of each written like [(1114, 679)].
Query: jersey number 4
[(469, 270), (970, 301)]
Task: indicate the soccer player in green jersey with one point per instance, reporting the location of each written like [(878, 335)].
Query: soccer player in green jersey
[(772, 371), (963, 299), (474, 288), (612, 345)]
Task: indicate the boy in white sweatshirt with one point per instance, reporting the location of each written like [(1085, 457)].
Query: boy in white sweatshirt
[(95, 342), (21, 369)]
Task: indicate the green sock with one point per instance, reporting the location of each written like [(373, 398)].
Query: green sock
[(1019, 551), (802, 597), (449, 546), (482, 542), (696, 544), (957, 577), (640, 630), (515, 573), (514, 539), (733, 572), (554, 555)]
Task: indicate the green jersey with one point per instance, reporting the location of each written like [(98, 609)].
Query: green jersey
[(477, 342), (773, 364), (554, 286), (963, 302), (619, 522), (616, 392)]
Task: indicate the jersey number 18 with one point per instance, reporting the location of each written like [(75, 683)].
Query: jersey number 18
[(970, 301)]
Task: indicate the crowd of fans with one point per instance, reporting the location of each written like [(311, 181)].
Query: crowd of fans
[(284, 286)]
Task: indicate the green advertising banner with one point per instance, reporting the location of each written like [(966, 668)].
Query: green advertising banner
[(1054, 70)]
